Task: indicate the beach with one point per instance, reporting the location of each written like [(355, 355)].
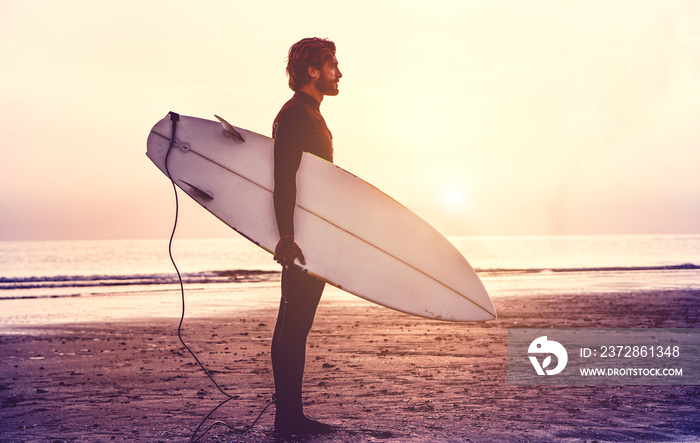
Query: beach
[(377, 374)]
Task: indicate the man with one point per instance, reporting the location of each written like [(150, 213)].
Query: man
[(312, 68)]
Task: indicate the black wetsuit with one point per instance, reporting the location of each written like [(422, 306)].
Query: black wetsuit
[(299, 127)]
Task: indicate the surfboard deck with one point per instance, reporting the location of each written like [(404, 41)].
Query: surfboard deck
[(353, 236)]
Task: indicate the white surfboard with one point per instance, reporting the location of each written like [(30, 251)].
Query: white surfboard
[(353, 236)]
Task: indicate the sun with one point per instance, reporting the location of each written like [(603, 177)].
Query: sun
[(455, 198)]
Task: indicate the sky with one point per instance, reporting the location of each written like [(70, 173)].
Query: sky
[(483, 117)]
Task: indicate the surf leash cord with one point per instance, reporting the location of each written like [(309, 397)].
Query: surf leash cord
[(174, 118)]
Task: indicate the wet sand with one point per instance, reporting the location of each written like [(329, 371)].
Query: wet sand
[(377, 374)]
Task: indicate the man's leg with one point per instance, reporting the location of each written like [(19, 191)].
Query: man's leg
[(301, 294)]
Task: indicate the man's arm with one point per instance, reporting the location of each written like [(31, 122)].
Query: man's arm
[(288, 150)]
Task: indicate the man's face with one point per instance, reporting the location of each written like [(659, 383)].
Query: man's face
[(327, 83)]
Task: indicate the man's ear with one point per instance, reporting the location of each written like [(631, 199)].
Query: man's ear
[(313, 72)]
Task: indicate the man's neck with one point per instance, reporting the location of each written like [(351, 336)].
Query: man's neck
[(311, 90)]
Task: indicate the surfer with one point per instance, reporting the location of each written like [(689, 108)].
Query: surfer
[(312, 69)]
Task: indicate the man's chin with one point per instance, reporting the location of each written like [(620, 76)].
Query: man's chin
[(329, 89)]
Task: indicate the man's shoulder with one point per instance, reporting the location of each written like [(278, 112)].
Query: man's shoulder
[(293, 106), (294, 111)]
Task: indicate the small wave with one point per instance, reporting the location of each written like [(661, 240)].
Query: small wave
[(497, 271), (84, 281), (34, 297)]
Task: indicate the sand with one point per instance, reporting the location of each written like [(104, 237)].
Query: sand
[(377, 374)]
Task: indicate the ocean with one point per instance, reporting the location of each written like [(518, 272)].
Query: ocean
[(507, 265)]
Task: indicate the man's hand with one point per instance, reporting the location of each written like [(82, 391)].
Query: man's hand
[(287, 251)]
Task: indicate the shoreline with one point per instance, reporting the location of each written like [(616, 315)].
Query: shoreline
[(378, 374)]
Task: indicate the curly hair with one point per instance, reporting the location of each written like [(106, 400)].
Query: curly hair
[(307, 52)]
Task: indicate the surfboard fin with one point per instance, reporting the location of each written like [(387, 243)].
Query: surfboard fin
[(230, 131), (199, 193)]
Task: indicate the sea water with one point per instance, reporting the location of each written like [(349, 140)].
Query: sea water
[(507, 265)]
